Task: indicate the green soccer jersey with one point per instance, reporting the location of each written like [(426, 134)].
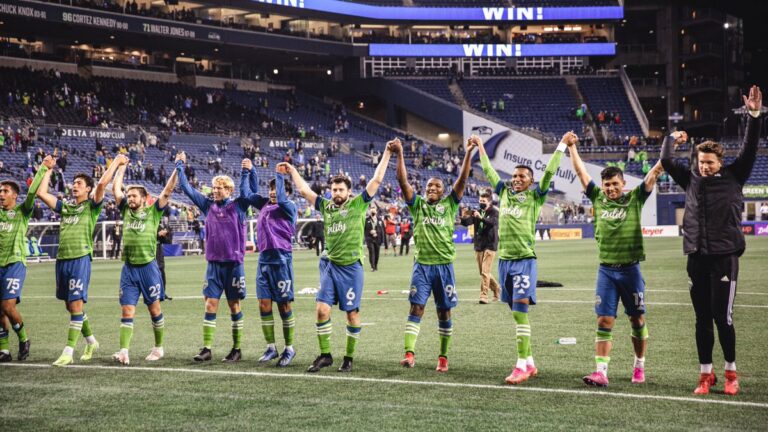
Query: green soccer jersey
[(519, 211), (140, 233), (14, 223), (344, 228), (617, 225), (78, 222), (433, 229)]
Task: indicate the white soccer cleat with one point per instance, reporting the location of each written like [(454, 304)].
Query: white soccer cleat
[(155, 355), (121, 357)]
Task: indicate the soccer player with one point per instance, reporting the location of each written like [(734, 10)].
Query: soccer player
[(341, 267), (73, 259), (713, 240), (433, 224), (225, 235), (140, 274), (519, 209), (620, 244), (14, 220), (275, 228)]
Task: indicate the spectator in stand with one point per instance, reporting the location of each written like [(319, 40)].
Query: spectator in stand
[(764, 212), (374, 235), (405, 235)]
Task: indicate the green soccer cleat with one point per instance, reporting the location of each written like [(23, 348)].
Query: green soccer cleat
[(89, 350), (64, 360)]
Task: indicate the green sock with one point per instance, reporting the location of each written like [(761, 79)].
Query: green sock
[(86, 332), (21, 332), (237, 329), (445, 330), (268, 327), (289, 325), (158, 327), (324, 330), (412, 327), (126, 332), (353, 334), (523, 333), (4, 343), (209, 328), (75, 327)]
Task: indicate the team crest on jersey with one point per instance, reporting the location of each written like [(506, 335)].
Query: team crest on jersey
[(598, 300), (440, 208), (344, 212), (11, 214), (79, 209), (142, 214), (521, 197)]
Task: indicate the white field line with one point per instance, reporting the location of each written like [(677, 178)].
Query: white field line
[(702, 400)]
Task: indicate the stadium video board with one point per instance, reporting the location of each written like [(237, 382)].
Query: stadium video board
[(440, 14), (491, 50)]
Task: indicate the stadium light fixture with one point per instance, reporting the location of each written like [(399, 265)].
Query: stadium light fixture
[(726, 26), (329, 72), (443, 136), (275, 71)]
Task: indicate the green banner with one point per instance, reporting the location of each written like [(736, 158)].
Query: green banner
[(755, 191)]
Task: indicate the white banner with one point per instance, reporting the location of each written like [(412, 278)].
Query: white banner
[(507, 148), (661, 231)]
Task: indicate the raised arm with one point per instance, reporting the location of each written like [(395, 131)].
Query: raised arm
[(29, 202), (396, 147), (246, 186), (101, 186), (378, 175), (569, 139), (301, 185), (286, 205), (745, 161), (117, 183), (652, 176), (42, 192), (679, 172), (165, 195), (578, 166), (197, 198), (493, 176), (466, 164)]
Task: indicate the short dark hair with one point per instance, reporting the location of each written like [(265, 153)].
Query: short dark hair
[(142, 190), (611, 172), (711, 147), (288, 186), (526, 167), (485, 194), (86, 178), (341, 179), (11, 184)]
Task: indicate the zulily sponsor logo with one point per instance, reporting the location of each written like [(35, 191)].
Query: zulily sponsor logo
[(762, 231), (431, 220), (6, 226), (70, 220), (615, 214), (136, 226), (515, 212), (337, 228)]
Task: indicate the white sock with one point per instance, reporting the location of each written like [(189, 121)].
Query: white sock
[(520, 364), (90, 339), (4, 352), (603, 367), (529, 362), (68, 351), (289, 347), (640, 362), (706, 368), (124, 351), (271, 346), (730, 366)]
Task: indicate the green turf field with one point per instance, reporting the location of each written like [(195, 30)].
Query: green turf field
[(178, 394)]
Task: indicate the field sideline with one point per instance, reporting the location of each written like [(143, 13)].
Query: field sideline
[(176, 393)]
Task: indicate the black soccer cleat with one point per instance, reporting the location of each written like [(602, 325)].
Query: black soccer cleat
[(322, 361), (23, 350), (204, 355), (5, 357), (346, 366), (234, 356)]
